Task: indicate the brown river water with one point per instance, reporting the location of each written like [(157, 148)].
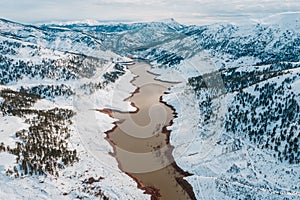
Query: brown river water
[(141, 141)]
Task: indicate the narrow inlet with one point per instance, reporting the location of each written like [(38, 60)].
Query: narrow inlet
[(141, 140)]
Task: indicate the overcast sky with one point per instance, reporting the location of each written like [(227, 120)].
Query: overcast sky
[(185, 11)]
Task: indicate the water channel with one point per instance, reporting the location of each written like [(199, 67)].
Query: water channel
[(141, 140)]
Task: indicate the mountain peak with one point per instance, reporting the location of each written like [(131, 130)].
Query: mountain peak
[(172, 23)]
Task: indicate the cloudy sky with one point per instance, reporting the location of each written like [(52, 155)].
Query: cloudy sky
[(184, 11)]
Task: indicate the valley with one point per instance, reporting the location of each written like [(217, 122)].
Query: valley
[(216, 116)]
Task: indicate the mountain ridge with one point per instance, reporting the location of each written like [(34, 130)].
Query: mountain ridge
[(239, 136)]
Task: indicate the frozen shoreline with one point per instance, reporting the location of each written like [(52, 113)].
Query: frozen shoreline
[(119, 185), (199, 150), (160, 166), (93, 149)]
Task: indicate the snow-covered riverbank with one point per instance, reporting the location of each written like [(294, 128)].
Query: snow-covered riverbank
[(217, 159), (88, 138)]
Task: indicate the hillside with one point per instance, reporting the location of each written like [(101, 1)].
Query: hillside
[(237, 104), (246, 82), (50, 81)]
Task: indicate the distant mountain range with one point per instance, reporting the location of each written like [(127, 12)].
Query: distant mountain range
[(243, 141)]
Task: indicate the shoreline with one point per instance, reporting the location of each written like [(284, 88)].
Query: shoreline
[(154, 192), (180, 180)]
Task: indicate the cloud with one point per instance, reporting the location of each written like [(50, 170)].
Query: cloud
[(188, 11)]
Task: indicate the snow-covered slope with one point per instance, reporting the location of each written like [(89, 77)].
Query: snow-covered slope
[(126, 38), (237, 130), (245, 142), (50, 81), (61, 39), (238, 103)]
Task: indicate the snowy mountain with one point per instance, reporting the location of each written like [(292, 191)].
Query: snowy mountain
[(55, 39), (237, 104), (243, 142), (51, 79), (124, 38), (248, 101)]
